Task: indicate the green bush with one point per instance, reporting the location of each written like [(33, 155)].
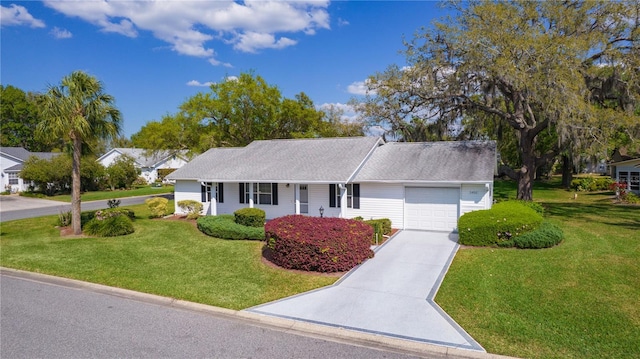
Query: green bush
[(109, 224), (380, 226), (631, 198), (193, 208), (547, 235), (224, 226), (64, 219), (591, 184), (157, 206), (251, 217), (89, 215), (501, 223), (533, 205)]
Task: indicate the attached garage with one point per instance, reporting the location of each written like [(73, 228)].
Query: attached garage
[(431, 208)]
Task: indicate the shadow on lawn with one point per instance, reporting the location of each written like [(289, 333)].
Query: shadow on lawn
[(626, 216)]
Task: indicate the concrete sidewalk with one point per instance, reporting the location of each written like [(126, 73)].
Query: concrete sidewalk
[(390, 294)]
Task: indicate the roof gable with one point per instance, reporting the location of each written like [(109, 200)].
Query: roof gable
[(144, 158), (21, 154)]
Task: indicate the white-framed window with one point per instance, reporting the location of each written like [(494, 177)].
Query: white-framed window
[(634, 181), (207, 188), (263, 193), (353, 195), (13, 178)]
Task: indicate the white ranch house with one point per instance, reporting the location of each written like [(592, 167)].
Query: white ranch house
[(425, 186), (147, 161), (627, 171), (12, 160)]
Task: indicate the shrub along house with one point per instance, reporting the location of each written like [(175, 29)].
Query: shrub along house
[(425, 186)]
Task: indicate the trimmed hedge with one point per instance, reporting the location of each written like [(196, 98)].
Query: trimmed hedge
[(193, 208), (318, 244), (251, 217), (223, 226), (110, 223), (591, 184), (501, 223), (157, 206), (545, 236)]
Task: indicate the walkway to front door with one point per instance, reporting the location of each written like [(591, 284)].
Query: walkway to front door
[(390, 294)]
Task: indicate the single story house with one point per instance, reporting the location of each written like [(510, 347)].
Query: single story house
[(149, 162), (627, 171), (425, 186), (12, 160)]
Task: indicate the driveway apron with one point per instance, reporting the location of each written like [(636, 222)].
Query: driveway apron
[(390, 294)]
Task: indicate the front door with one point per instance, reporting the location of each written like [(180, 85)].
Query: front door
[(304, 199)]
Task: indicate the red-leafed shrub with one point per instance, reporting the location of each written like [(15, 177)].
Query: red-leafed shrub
[(318, 244)]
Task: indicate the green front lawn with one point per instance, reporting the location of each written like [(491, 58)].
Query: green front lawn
[(165, 257), (105, 195), (580, 299)]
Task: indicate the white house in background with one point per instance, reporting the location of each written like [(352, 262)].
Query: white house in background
[(11, 162), (426, 185), (627, 171), (149, 162)]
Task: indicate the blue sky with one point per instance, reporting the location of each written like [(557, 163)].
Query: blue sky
[(152, 56)]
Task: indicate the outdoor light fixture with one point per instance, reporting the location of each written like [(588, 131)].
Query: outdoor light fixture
[(321, 211)]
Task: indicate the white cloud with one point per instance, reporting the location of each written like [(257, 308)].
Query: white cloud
[(59, 33), (199, 84), (359, 88), (16, 15), (342, 22), (190, 26)]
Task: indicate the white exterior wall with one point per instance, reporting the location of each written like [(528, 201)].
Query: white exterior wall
[(380, 200), (474, 197), (111, 157), (7, 162), (188, 190)]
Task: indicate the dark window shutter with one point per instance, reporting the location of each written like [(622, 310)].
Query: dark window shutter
[(203, 193), (241, 192), (274, 194), (356, 196), (220, 192), (332, 195)]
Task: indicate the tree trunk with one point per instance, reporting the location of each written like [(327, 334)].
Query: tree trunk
[(527, 172), (567, 171), (75, 186)]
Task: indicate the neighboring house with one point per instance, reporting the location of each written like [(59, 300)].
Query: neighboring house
[(12, 160), (627, 171), (149, 162), (426, 185)]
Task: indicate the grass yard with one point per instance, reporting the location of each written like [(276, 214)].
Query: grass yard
[(165, 257), (105, 195), (580, 299)]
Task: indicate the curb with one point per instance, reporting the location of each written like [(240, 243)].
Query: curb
[(281, 324)]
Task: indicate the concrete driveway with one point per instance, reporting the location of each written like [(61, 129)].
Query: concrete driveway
[(390, 294)]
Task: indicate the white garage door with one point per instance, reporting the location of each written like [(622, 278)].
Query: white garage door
[(432, 209)]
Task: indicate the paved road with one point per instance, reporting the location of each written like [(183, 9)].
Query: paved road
[(16, 207), (52, 319)]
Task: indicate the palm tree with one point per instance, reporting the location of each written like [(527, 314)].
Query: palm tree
[(79, 112)]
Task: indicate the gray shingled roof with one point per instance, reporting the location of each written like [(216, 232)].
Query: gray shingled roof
[(17, 152), (431, 162), (22, 154), (328, 160), (146, 158)]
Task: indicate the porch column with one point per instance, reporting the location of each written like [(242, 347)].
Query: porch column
[(213, 205), (296, 195), (343, 201), (250, 195)]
